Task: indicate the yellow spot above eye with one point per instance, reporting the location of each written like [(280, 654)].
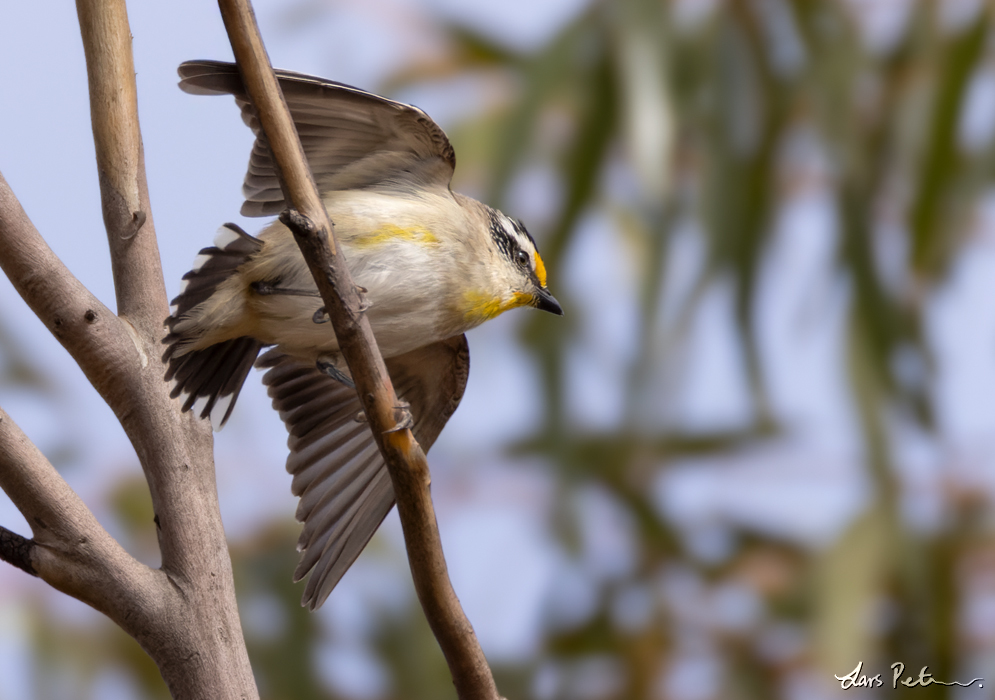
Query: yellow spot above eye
[(389, 232), (540, 270), (480, 307)]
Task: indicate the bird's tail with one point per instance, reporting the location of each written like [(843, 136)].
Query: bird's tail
[(208, 380)]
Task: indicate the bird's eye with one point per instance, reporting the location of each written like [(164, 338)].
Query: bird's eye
[(522, 258)]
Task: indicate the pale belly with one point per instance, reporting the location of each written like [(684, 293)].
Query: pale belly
[(406, 309), (299, 327)]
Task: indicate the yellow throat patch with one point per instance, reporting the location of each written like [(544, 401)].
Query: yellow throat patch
[(480, 307)]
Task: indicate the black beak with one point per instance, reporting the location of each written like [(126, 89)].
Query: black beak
[(545, 301)]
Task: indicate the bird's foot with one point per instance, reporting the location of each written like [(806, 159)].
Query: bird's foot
[(364, 303), (403, 420)]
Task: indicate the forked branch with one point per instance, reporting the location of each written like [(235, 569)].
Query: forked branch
[(184, 614)]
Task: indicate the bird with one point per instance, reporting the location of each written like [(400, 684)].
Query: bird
[(431, 264)]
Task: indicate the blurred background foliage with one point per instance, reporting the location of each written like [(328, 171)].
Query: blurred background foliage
[(666, 152)]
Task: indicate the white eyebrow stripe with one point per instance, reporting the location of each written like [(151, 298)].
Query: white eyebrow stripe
[(509, 228), (515, 234)]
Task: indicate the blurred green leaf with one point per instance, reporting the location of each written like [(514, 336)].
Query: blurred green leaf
[(932, 239)]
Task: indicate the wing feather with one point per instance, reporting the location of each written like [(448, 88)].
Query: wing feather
[(351, 137), (338, 473)]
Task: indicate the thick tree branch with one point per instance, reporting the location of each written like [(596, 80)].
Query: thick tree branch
[(97, 340), (163, 441), (404, 457), (70, 550), (207, 656), (191, 615), (141, 292), (184, 615)]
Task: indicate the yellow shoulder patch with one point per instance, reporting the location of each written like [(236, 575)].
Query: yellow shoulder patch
[(389, 232)]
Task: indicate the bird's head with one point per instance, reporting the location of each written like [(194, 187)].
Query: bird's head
[(517, 275)]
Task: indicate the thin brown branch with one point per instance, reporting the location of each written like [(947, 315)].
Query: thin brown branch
[(404, 457), (16, 550)]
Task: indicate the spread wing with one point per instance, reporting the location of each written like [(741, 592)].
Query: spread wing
[(338, 473), (352, 138)]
